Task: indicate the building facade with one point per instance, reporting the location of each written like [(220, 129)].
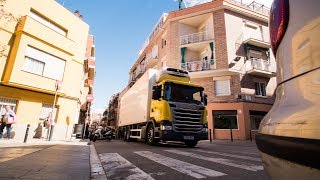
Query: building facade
[(87, 81), (225, 46), (112, 111), (40, 46)]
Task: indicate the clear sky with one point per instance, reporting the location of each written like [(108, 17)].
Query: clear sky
[(120, 28)]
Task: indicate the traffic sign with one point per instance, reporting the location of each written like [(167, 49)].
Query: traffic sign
[(90, 98)]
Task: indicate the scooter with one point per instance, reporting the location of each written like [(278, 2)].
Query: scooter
[(105, 135)]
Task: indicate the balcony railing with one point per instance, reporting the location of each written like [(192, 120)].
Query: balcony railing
[(259, 64), (194, 38), (198, 65), (139, 71), (254, 6)]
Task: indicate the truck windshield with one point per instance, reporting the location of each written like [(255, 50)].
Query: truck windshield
[(182, 93)]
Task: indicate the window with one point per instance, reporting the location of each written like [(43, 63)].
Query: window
[(43, 64), (45, 110), (7, 102), (33, 66), (260, 89), (222, 87), (47, 23), (225, 119), (255, 119), (164, 43), (154, 52)]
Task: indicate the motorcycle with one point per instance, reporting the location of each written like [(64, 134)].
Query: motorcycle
[(105, 135)]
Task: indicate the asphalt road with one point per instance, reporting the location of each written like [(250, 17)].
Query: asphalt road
[(219, 160)]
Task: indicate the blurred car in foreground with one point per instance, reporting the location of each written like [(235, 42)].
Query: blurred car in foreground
[(289, 135)]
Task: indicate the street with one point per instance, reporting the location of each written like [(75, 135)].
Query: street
[(219, 160)]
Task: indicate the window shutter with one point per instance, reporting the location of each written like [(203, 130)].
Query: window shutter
[(222, 87)]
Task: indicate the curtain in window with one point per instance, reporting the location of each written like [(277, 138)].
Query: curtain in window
[(33, 66), (183, 52)]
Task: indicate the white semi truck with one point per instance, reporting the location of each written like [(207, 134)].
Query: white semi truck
[(164, 106)]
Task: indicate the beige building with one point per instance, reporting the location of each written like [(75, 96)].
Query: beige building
[(225, 46), (41, 42)]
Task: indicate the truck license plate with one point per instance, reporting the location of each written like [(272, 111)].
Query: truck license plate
[(188, 137)]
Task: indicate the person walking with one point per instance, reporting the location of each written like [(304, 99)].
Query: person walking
[(47, 124), (10, 118), (2, 126)]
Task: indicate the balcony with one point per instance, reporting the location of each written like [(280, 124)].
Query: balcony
[(260, 67), (138, 72), (253, 6), (34, 28), (195, 66), (151, 61), (255, 39), (88, 82), (195, 38)]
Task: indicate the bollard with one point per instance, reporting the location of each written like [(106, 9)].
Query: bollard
[(51, 132), (250, 135), (231, 136), (26, 135), (210, 136)]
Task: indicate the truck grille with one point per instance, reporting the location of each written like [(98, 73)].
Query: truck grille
[(187, 120)]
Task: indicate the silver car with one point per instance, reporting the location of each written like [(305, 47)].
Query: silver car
[(289, 135)]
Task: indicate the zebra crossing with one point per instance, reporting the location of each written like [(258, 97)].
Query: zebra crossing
[(118, 167)]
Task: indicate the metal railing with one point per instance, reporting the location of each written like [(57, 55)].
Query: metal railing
[(194, 38), (140, 70), (253, 5), (198, 65), (260, 64)]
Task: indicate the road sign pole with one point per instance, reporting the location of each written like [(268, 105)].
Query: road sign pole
[(58, 86)]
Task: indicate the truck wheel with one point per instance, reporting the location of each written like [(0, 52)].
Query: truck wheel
[(150, 135), (191, 143)]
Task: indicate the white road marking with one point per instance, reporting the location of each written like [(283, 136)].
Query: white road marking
[(231, 155), (116, 167), (183, 167), (227, 162)]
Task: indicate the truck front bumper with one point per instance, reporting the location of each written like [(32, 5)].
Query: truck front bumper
[(170, 135)]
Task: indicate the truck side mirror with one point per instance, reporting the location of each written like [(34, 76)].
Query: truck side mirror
[(205, 99)]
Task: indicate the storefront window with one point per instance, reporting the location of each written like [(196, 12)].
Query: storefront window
[(225, 119), (7, 102)]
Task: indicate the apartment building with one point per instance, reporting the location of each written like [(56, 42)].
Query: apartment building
[(89, 66), (42, 44), (112, 111), (225, 46)]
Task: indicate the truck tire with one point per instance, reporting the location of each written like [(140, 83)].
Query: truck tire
[(150, 135), (191, 143)]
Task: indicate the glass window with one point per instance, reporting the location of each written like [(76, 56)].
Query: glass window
[(181, 93), (33, 66), (225, 119), (260, 89), (222, 87), (255, 119), (44, 64), (47, 23)]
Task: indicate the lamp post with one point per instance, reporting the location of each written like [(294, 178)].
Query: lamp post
[(52, 123)]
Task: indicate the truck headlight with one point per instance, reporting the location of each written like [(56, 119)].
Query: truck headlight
[(162, 127), (204, 129)]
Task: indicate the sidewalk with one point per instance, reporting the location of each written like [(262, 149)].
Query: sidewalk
[(41, 159)]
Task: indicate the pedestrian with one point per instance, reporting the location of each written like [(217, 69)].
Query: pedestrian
[(47, 124), (10, 118), (2, 125)]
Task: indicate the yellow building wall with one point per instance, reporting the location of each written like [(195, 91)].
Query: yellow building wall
[(32, 90)]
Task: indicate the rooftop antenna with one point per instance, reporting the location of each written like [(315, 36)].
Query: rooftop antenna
[(180, 1)]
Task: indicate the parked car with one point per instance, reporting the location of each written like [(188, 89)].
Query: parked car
[(289, 135)]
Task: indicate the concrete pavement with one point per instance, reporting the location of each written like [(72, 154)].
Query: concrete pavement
[(40, 159)]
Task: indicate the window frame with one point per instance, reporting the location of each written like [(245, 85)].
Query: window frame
[(260, 89), (33, 59), (215, 86)]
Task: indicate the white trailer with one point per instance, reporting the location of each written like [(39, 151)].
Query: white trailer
[(135, 103)]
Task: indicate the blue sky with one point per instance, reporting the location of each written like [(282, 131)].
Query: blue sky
[(120, 28)]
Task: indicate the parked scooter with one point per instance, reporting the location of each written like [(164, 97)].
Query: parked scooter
[(101, 134)]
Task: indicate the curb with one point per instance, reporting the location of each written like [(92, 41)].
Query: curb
[(97, 171)]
